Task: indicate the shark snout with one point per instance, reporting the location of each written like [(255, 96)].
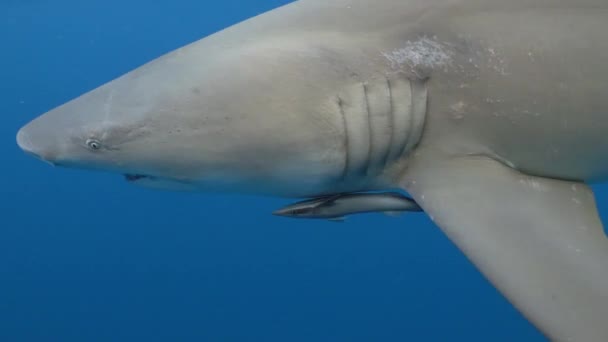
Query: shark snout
[(24, 142), (27, 142)]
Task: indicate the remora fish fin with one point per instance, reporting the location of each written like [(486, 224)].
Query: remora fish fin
[(393, 213), (329, 200), (539, 241)]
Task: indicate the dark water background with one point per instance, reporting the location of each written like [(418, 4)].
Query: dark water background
[(87, 257)]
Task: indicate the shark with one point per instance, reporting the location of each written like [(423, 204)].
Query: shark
[(491, 114)]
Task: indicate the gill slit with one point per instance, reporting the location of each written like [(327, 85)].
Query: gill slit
[(392, 120), (370, 133), (410, 118), (346, 140)]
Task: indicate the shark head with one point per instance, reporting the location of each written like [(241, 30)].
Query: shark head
[(208, 117), (90, 133), (250, 109)]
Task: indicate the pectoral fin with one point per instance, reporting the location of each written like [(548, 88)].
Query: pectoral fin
[(539, 241)]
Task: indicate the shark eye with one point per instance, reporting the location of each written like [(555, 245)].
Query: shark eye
[(93, 144)]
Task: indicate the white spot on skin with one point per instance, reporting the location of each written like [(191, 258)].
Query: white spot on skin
[(533, 184), (576, 200), (577, 250), (458, 110), (496, 62), (424, 52), (574, 188), (489, 100), (531, 55)]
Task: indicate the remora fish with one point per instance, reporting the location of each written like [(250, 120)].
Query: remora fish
[(492, 114), (337, 207)]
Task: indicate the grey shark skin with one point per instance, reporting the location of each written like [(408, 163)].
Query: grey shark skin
[(341, 205), (490, 113)]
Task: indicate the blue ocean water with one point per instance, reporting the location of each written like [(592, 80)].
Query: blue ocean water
[(85, 256)]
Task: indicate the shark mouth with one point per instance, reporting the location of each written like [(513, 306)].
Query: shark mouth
[(135, 177)]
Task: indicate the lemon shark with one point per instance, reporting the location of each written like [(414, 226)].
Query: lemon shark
[(491, 114)]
